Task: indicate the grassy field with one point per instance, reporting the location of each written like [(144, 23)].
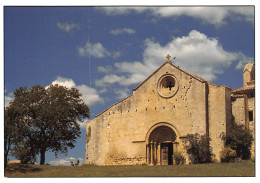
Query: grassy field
[(241, 168)]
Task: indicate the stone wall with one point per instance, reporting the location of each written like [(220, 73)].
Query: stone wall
[(251, 124), (241, 105), (119, 134), (239, 109), (247, 76), (219, 107)]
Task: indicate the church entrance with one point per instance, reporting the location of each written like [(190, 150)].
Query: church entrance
[(161, 146), (167, 152)]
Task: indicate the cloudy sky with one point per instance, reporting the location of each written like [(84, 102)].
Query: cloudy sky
[(105, 52)]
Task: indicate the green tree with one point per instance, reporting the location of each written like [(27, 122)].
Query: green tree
[(25, 152), (240, 139), (50, 118), (198, 148), (10, 131)]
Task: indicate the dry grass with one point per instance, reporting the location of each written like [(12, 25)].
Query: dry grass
[(241, 168)]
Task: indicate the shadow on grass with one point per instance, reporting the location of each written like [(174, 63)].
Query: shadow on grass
[(22, 168)]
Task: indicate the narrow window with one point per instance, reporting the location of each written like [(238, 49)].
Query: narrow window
[(250, 114)]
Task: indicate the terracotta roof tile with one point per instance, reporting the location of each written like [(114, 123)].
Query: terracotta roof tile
[(238, 90)]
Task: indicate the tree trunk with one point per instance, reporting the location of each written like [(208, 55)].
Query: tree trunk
[(6, 152), (5, 160), (42, 162)]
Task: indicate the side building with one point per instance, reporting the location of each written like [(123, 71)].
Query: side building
[(151, 124), (243, 102)]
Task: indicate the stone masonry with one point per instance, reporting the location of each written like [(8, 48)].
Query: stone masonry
[(151, 124)]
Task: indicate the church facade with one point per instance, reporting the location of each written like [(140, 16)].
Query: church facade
[(151, 124)]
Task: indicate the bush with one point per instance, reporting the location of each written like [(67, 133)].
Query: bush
[(228, 155), (24, 153), (240, 139), (198, 148), (178, 158)]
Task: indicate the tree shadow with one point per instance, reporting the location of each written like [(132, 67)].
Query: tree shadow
[(22, 168)]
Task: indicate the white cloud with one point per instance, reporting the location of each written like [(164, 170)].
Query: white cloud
[(130, 79), (82, 125), (103, 90), (65, 161), (116, 54), (89, 95), (96, 50), (211, 15), (106, 69), (245, 13), (122, 31), (122, 10), (108, 79), (69, 83), (122, 93), (134, 72), (196, 53), (67, 27), (8, 98)]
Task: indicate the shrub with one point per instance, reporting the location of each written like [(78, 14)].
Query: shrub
[(198, 148), (228, 155), (240, 139), (25, 153), (178, 158)]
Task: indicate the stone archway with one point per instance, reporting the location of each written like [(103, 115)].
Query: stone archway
[(162, 141)]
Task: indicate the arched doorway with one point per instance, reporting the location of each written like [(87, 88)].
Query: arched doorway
[(162, 142)]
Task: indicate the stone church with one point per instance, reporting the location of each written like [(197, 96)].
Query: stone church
[(151, 124)]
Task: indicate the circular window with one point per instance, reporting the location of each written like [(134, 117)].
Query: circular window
[(167, 86)]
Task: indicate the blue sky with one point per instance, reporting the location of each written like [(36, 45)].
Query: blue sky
[(105, 52)]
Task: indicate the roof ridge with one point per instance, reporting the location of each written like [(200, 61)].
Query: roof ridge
[(150, 75), (113, 105), (177, 67), (186, 72), (243, 89)]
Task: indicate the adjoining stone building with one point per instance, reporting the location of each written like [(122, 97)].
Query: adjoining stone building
[(243, 101), (151, 124)]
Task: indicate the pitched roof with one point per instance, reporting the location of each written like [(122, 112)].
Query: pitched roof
[(166, 62), (177, 67), (243, 89), (113, 105), (237, 96)]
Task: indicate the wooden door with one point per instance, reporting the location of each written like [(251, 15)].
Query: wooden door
[(165, 156)]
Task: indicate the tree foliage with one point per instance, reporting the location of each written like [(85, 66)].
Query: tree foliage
[(10, 131), (178, 158), (240, 139), (227, 155), (49, 117), (25, 152), (198, 148)]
